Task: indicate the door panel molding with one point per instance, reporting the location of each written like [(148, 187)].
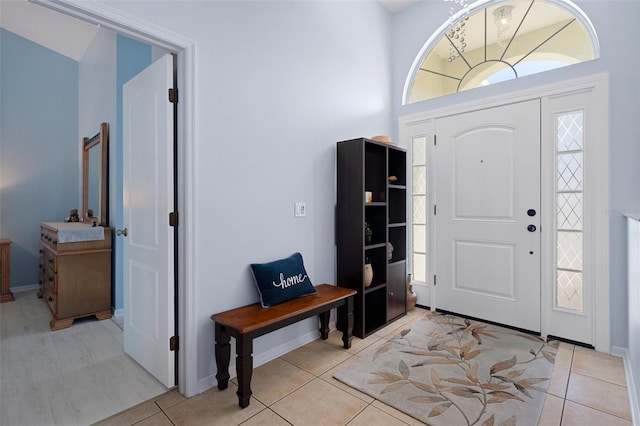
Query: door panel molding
[(474, 255)]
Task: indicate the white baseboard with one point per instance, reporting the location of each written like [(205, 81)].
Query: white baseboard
[(262, 358), (118, 317), (632, 388), (23, 288)]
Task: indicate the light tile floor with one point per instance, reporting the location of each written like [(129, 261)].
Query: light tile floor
[(69, 377), (586, 388)]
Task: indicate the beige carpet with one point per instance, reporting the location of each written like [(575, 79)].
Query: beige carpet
[(446, 370)]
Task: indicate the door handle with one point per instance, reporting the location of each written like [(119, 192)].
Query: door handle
[(531, 212), (531, 228), (120, 232)]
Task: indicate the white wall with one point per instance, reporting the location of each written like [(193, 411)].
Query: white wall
[(278, 84), (97, 96), (616, 25), (633, 367)]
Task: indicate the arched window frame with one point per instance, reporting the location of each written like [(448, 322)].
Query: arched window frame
[(472, 9)]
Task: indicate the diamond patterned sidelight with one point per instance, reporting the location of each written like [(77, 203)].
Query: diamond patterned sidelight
[(570, 250), (569, 290), (570, 172), (570, 215), (570, 211), (419, 151), (420, 238), (419, 180), (570, 133), (419, 209)]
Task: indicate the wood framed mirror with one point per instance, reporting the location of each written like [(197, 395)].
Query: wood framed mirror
[(95, 177)]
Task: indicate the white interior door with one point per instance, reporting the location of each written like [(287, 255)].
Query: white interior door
[(148, 248), (487, 221)]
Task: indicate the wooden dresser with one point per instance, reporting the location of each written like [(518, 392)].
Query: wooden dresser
[(75, 271)]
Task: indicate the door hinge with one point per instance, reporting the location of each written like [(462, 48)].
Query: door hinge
[(174, 343), (434, 210), (434, 280), (173, 96), (173, 219), (434, 140)]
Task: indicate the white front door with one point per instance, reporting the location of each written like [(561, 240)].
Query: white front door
[(148, 249), (487, 217)]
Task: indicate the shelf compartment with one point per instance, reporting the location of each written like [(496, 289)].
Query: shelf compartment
[(375, 216), (398, 238), (397, 205), (375, 159), (378, 259), (398, 166), (375, 311)]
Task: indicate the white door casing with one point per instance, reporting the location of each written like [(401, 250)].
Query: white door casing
[(149, 32), (581, 325), (589, 94), (149, 246), (487, 228)]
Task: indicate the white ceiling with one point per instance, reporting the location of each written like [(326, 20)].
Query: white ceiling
[(61, 33), (70, 36)]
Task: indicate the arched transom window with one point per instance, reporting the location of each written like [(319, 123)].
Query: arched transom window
[(489, 42)]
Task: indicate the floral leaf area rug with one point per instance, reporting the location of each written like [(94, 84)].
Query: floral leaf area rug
[(446, 370)]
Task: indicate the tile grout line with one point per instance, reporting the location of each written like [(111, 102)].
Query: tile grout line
[(566, 388)]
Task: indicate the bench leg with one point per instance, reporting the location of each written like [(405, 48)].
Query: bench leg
[(345, 317), (244, 369), (324, 324), (223, 356)]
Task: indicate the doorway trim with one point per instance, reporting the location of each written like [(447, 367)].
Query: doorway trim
[(422, 124), (185, 48)]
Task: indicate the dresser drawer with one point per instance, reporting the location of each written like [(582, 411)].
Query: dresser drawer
[(51, 280), (48, 259), (49, 237), (42, 265), (50, 290)]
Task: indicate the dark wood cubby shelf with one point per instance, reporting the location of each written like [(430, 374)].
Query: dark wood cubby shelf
[(364, 165)]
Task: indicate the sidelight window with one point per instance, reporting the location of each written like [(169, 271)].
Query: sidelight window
[(419, 210), (569, 208)]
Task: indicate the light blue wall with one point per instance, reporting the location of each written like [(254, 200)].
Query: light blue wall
[(131, 57), (39, 147), (615, 22), (44, 115)]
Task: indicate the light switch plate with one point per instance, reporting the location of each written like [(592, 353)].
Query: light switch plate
[(300, 209)]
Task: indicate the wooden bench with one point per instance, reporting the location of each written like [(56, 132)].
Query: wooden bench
[(251, 321)]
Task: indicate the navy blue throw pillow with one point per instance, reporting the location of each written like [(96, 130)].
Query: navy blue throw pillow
[(281, 280)]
